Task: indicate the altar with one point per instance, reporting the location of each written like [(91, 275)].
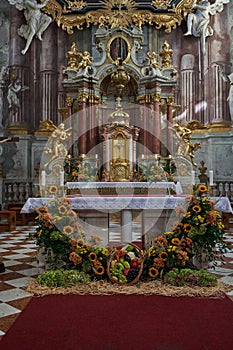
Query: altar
[(156, 213)]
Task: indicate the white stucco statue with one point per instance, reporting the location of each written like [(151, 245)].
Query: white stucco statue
[(14, 88), (229, 79), (37, 21), (198, 21)]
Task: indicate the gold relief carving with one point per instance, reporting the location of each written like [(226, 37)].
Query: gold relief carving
[(64, 111), (74, 5), (119, 13), (82, 97), (170, 101), (166, 55), (69, 101), (161, 4), (156, 98)]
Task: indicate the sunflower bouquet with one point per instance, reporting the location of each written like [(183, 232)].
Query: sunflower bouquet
[(64, 243), (167, 252), (202, 223)]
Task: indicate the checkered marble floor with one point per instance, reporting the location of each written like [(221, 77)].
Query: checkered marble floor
[(19, 256)]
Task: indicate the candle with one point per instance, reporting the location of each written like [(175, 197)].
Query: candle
[(142, 156), (62, 178), (193, 177), (96, 156), (156, 156), (43, 178), (211, 178)]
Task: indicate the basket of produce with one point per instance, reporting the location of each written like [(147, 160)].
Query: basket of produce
[(125, 264)]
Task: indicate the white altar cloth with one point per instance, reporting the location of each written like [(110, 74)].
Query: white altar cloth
[(176, 187), (111, 203)]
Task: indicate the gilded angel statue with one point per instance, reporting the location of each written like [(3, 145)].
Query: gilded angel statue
[(198, 22), (37, 21)]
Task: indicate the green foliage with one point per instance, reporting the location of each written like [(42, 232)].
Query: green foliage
[(189, 277), (62, 278)]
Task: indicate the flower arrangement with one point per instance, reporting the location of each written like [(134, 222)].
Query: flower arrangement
[(66, 246), (167, 252), (64, 242), (81, 172), (202, 223)]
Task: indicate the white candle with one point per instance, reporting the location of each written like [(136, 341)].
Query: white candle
[(156, 156), (211, 178), (43, 178), (142, 156), (62, 178), (193, 177), (96, 156)]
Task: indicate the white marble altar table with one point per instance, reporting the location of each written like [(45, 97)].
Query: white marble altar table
[(176, 187)]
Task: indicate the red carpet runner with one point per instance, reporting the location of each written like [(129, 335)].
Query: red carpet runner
[(122, 322)]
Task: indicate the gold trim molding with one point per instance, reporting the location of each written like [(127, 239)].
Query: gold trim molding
[(118, 13)]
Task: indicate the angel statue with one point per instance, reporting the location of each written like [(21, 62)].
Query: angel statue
[(198, 21), (37, 21), (58, 149)]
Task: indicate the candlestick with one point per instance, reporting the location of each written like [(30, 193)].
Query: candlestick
[(211, 178), (62, 178), (193, 177), (43, 178)]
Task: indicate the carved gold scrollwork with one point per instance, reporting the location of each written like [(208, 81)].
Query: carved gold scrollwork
[(119, 13)]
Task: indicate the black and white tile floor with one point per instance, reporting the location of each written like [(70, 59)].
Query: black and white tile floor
[(18, 252)]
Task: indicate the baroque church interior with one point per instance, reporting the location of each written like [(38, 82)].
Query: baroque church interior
[(115, 97)]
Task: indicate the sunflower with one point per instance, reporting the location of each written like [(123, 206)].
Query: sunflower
[(80, 243), (53, 189), (196, 208), (43, 209), (163, 256), (62, 209), (92, 256), (175, 241), (153, 272), (187, 227), (68, 230), (202, 188), (99, 270)]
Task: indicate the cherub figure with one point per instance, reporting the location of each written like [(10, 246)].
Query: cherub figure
[(86, 60), (37, 21), (198, 21)]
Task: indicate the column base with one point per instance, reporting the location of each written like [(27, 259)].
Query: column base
[(17, 129)]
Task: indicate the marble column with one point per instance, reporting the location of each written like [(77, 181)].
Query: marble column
[(126, 226), (169, 101), (82, 124), (157, 125), (188, 86), (19, 68), (48, 76)]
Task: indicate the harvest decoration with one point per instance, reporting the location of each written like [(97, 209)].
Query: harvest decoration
[(125, 264)]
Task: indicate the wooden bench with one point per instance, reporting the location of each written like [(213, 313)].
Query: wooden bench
[(227, 220), (21, 218), (7, 220)]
